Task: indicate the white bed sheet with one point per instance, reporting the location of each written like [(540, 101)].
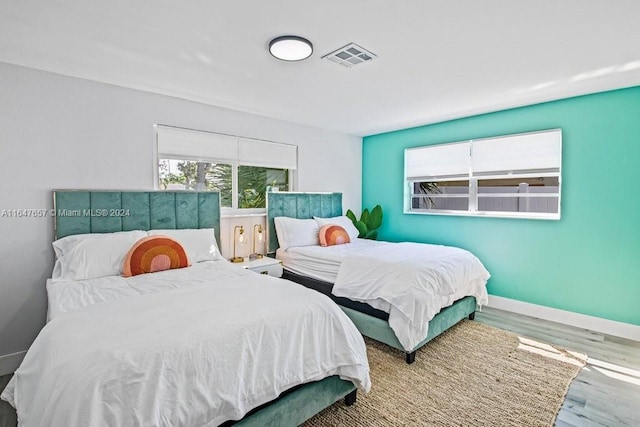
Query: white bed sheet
[(66, 296), (410, 281), (196, 346), (322, 262)]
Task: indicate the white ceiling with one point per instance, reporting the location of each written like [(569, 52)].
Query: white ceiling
[(437, 60)]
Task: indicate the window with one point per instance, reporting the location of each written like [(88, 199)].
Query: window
[(241, 169), (507, 176)]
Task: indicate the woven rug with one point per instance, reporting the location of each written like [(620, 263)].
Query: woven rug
[(472, 375)]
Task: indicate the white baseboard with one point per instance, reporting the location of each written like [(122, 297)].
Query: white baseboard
[(10, 362), (596, 324)]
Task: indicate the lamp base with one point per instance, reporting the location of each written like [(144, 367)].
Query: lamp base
[(255, 256), (237, 259)]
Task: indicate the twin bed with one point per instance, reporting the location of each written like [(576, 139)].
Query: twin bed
[(402, 294), (207, 344)]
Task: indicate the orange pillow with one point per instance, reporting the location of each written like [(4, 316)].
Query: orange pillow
[(154, 253), (332, 234)]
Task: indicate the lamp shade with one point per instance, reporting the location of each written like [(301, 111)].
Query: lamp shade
[(290, 48)]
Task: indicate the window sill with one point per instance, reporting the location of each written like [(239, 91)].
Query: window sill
[(242, 213), (489, 214)]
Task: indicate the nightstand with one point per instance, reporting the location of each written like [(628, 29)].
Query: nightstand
[(266, 265)]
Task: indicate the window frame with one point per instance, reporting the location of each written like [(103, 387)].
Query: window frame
[(474, 195), (234, 210)]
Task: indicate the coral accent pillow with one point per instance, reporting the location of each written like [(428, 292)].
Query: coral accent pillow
[(332, 234), (154, 253)]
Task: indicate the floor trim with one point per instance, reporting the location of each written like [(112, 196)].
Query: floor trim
[(10, 362), (596, 324)]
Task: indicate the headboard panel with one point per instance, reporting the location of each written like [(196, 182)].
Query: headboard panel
[(80, 211), (299, 205)]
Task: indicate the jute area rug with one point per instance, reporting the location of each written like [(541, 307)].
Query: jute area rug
[(472, 375)]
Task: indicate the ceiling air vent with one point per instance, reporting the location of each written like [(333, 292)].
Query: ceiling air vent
[(350, 55)]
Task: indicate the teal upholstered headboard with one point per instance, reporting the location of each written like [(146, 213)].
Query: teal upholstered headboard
[(299, 205), (79, 211)]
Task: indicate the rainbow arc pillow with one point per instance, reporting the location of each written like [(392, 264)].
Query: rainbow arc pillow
[(333, 234), (152, 254)]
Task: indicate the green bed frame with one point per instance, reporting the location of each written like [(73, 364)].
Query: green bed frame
[(308, 205), (84, 211)]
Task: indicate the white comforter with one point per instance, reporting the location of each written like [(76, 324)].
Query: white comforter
[(190, 347), (412, 282)]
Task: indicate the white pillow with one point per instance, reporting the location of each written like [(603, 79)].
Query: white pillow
[(343, 222), (296, 232), (199, 244), (85, 256)]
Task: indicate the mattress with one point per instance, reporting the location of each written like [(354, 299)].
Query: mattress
[(322, 262), (326, 288)]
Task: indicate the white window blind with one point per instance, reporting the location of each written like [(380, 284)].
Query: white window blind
[(435, 162), (267, 154), (537, 153), (179, 143)]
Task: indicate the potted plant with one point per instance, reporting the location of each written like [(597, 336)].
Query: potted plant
[(368, 223)]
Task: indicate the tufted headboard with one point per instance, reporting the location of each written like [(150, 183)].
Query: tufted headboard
[(299, 205), (88, 211)]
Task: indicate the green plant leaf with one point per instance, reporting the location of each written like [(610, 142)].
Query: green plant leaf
[(365, 216), (351, 216), (372, 235), (375, 218), (362, 228)]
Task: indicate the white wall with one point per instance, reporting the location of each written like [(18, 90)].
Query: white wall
[(58, 132)]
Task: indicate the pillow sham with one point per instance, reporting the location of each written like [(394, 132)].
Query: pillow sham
[(85, 256), (152, 254), (293, 232), (200, 244), (342, 221), (332, 235)]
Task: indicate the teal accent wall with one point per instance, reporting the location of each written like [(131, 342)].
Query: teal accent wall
[(588, 261)]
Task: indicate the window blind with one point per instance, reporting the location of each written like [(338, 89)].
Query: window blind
[(268, 154), (179, 143), (529, 153), (443, 161)]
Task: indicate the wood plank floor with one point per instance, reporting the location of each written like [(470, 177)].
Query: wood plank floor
[(7, 413), (606, 392)]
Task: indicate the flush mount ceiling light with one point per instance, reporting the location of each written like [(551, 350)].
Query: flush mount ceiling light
[(290, 48)]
